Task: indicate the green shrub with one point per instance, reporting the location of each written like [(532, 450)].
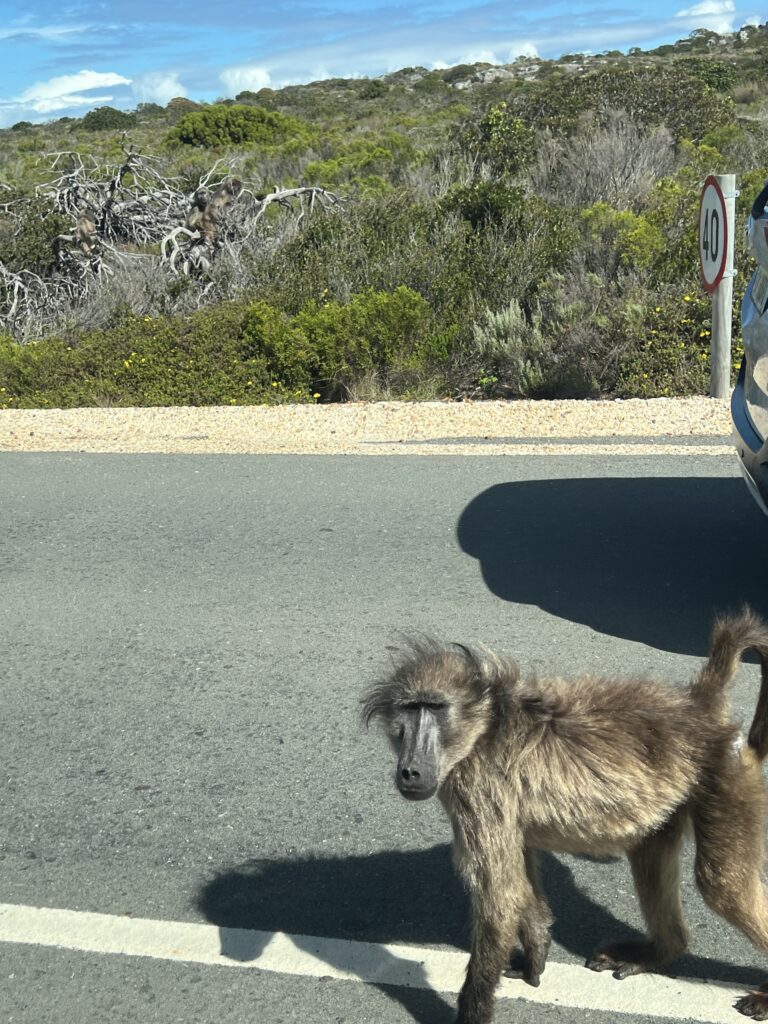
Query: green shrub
[(176, 108), (668, 348), (29, 245), (638, 242), (650, 95), (373, 90), (501, 138), (484, 202), (236, 125), (201, 360), (387, 336), (270, 334), (715, 73), (232, 354), (107, 119), (149, 111), (508, 352)]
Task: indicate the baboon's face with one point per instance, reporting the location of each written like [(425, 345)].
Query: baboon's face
[(433, 709), (416, 730)]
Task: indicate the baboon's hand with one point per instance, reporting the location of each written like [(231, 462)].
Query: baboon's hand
[(755, 1004), (624, 959), (523, 968)]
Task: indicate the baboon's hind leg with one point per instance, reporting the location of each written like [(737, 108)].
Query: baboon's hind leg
[(655, 864), (729, 825)]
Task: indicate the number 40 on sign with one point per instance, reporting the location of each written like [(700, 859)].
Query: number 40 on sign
[(713, 234)]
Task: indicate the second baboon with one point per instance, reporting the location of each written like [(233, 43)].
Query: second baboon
[(592, 766), (207, 208)]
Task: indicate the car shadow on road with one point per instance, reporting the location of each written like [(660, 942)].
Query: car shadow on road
[(396, 897), (650, 559)]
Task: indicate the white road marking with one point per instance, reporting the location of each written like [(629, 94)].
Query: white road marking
[(407, 966)]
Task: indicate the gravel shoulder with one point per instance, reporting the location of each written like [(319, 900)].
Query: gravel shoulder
[(380, 428)]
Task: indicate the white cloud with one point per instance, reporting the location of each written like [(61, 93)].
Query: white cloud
[(716, 15), (157, 87), (66, 91), (479, 57), (50, 33), (63, 85), (50, 106), (525, 49), (246, 76)]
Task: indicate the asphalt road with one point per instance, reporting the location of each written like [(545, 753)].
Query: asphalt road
[(183, 642)]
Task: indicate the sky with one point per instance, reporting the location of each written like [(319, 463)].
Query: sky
[(66, 57)]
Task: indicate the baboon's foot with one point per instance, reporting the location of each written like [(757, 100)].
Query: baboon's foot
[(624, 959), (524, 968), (755, 1004)]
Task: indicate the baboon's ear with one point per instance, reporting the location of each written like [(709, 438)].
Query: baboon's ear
[(472, 658), (480, 678)]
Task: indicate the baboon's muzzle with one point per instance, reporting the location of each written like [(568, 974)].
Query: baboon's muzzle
[(417, 765)]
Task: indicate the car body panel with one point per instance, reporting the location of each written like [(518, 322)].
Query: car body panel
[(749, 400)]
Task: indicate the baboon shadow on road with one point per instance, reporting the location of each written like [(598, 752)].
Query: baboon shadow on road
[(650, 559), (411, 897)]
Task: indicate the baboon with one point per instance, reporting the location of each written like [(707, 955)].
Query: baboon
[(594, 766), (86, 237), (207, 208)]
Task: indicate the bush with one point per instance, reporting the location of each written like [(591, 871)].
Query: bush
[(650, 96), (30, 246), (484, 202), (380, 336), (668, 348), (501, 139), (748, 92), (176, 108), (150, 111), (235, 125), (508, 351), (233, 354), (611, 160), (140, 361), (373, 90), (107, 119), (715, 73)]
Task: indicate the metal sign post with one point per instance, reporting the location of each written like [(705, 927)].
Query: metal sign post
[(717, 215)]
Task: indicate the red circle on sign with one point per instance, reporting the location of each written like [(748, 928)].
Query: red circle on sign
[(711, 281)]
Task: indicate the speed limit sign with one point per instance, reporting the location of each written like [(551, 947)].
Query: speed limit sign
[(713, 234)]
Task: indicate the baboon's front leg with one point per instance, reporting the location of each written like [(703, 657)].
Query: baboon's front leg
[(534, 934), (500, 892)]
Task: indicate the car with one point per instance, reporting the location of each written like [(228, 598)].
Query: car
[(749, 401)]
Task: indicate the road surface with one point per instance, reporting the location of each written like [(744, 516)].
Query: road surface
[(193, 826)]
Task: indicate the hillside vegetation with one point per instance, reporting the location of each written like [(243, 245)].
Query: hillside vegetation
[(481, 231)]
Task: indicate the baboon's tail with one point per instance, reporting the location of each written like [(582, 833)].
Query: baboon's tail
[(732, 635)]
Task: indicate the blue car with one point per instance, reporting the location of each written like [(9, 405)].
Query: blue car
[(749, 402)]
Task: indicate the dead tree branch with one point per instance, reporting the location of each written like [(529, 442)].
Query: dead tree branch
[(132, 210)]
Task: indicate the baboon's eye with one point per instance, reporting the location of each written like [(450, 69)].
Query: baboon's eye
[(430, 705)]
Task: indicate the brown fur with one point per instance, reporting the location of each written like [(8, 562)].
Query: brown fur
[(588, 766), (207, 208)]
